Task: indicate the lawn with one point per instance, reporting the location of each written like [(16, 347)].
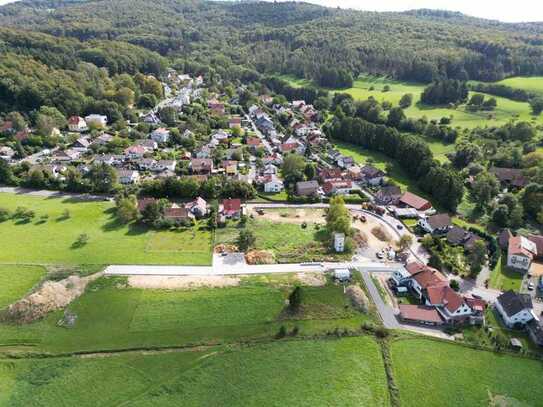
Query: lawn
[(347, 372), (111, 316), (502, 278), (50, 240), (16, 281), (433, 373)]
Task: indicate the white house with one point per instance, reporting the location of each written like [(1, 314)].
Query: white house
[(129, 177), (436, 224), (515, 309), (520, 253), (339, 242), (273, 185), (96, 120), (77, 124), (448, 302), (160, 135)]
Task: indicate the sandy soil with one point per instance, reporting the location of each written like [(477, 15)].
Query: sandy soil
[(366, 227), (182, 282), (293, 215), (52, 295)]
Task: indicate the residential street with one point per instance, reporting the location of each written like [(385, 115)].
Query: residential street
[(385, 311)]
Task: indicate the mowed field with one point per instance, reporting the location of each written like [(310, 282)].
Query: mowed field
[(112, 316), (49, 238), (433, 373), (506, 109), (346, 372), (16, 281)]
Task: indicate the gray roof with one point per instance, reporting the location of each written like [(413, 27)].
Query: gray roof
[(513, 303)]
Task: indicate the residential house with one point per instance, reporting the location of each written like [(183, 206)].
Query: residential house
[(160, 135), (254, 143), (7, 127), (521, 252), (272, 184), (135, 152), (307, 188), (389, 195), (420, 315), (96, 120), (178, 214), (198, 207), (270, 169), (146, 164), (201, 165), (127, 177), (231, 208), (204, 152), (77, 124), (436, 224), (510, 177), (235, 122), (164, 165), (371, 175), (514, 308), (220, 137), (66, 155), (415, 202), (6, 152), (148, 144), (151, 118), (82, 143), (337, 187), (423, 277), (102, 139), (216, 107), (451, 305), (535, 331), (345, 162)]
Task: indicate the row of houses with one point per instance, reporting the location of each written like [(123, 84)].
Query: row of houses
[(440, 304)]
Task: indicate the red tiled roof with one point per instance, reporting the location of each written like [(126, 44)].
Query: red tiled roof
[(415, 201), (415, 267), (231, 205), (446, 296), (538, 240), (517, 247), (430, 278), (420, 313)]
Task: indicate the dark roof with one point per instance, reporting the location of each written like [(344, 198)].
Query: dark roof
[(512, 303), (536, 331), (512, 176), (456, 235), (503, 238), (439, 221), (390, 190)]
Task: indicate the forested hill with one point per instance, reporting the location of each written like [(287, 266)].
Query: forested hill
[(296, 38)]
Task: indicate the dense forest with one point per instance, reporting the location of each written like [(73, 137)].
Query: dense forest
[(329, 46)]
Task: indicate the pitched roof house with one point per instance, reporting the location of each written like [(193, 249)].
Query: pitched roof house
[(436, 224), (415, 201), (514, 308), (230, 208), (307, 188), (201, 165)]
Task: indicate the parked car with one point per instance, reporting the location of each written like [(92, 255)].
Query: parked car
[(400, 227), (380, 255), (531, 286)]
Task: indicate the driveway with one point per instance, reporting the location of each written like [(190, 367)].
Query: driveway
[(385, 311)]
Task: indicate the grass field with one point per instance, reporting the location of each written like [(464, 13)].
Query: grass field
[(432, 373), (51, 241), (111, 316), (532, 84), (506, 109), (347, 372), (16, 281), (505, 279)]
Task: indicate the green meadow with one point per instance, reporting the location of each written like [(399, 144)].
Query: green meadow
[(16, 281), (50, 238), (366, 86), (531, 84), (347, 372), (435, 373)]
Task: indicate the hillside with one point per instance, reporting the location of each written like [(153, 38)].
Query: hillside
[(297, 38)]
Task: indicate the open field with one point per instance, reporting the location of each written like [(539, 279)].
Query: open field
[(506, 109), (432, 373), (51, 240), (531, 84), (16, 281), (110, 315), (347, 372)]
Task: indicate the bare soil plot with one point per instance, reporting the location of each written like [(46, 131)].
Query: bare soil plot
[(182, 282), (291, 215)]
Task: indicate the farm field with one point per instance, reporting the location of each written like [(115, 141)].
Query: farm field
[(112, 315), (16, 281), (506, 109), (347, 372), (434, 373), (50, 240)]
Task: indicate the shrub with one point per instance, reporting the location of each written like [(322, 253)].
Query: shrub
[(4, 214)]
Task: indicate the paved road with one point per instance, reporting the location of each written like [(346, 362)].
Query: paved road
[(385, 311)]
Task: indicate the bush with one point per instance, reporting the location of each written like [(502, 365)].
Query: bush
[(4, 214), (282, 332)]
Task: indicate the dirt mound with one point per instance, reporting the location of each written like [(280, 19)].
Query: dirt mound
[(380, 233), (52, 295), (361, 239), (358, 298), (311, 279), (182, 282), (259, 257), (226, 248)]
